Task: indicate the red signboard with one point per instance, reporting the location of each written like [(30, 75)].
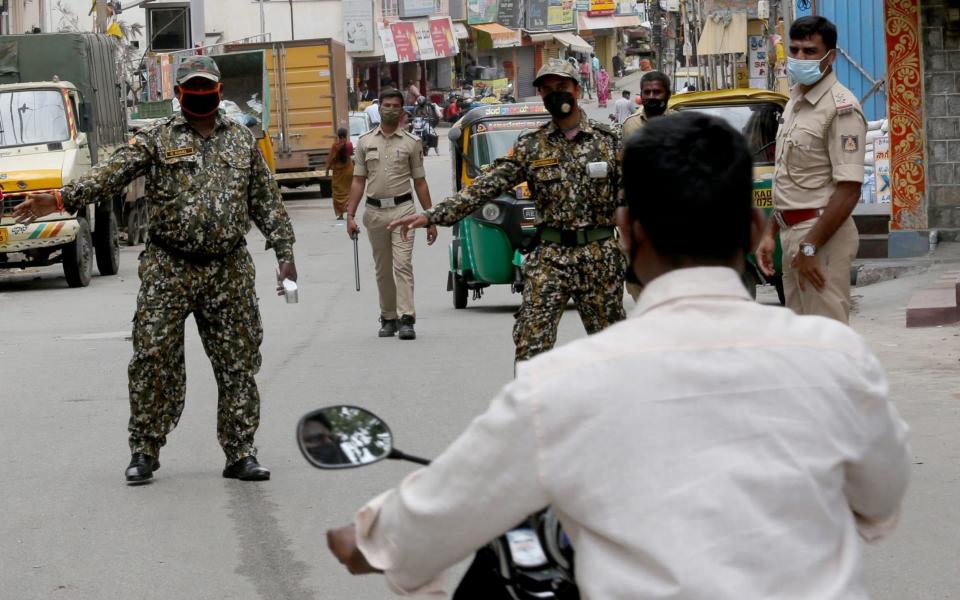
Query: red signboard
[(405, 38), (444, 41)]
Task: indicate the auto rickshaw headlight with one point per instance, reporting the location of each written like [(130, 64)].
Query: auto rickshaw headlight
[(490, 211)]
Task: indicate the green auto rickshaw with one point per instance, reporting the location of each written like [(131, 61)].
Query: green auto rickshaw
[(488, 246), (756, 114)]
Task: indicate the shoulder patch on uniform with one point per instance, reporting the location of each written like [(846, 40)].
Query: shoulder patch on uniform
[(850, 143), (409, 135), (601, 127), (367, 132), (843, 100)]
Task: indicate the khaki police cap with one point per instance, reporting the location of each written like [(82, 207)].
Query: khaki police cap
[(197, 66), (560, 68)]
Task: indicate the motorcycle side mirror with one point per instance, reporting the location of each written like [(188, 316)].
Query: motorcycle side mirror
[(343, 437), (454, 134)]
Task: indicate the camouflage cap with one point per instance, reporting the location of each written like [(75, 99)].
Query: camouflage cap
[(560, 68), (197, 66)]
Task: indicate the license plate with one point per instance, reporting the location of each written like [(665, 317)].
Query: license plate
[(3, 235)]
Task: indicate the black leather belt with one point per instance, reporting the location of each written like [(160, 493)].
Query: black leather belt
[(375, 202), (200, 259), (572, 238)]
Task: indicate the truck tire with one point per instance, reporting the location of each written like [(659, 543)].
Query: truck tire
[(460, 291), (78, 257), (134, 223), (106, 243)]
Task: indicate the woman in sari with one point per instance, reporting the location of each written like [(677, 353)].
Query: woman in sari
[(603, 87), (340, 161)]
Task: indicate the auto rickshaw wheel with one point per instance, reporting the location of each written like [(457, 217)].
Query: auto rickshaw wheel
[(460, 291)]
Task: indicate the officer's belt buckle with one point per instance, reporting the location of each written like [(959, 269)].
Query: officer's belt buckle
[(387, 203)]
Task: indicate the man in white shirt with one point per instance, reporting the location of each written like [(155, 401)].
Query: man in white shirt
[(373, 111), (706, 447), (623, 107)]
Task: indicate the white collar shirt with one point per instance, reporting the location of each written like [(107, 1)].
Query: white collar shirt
[(708, 447), (622, 109), (373, 111)]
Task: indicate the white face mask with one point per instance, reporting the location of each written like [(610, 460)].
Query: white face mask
[(805, 72)]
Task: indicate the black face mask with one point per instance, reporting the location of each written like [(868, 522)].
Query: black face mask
[(654, 107), (559, 104), (200, 104)]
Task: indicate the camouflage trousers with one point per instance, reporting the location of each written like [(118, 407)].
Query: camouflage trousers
[(222, 298), (591, 275)]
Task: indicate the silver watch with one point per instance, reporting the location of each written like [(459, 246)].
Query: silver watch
[(808, 249)]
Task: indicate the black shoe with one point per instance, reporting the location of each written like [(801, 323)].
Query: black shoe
[(247, 469), (406, 328), (388, 327), (141, 468)]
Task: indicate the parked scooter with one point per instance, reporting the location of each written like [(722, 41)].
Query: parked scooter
[(532, 561)]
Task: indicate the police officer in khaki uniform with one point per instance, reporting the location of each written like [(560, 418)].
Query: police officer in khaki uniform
[(385, 160), (817, 179)]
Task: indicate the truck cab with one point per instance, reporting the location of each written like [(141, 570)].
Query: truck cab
[(42, 147)]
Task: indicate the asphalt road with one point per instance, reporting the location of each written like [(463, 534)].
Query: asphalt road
[(70, 527)]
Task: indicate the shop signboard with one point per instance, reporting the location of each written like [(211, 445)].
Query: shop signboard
[(424, 39), (509, 14), (358, 25), (481, 11), (601, 8), (405, 39), (389, 47), (537, 14), (757, 61), (416, 8), (444, 42), (583, 5), (883, 194), (560, 14)]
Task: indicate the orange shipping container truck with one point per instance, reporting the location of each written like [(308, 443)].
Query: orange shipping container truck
[(308, 103)]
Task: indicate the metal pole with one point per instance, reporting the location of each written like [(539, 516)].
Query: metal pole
[(787, 19), (356, 261), (263, 26), (656, 32), (292, 36)]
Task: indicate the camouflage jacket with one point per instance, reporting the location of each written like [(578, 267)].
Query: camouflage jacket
[(202, 193), (555, 170)]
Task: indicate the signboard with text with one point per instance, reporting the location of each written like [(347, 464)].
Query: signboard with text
[(389, 47), (358, 27), (560, 14), (601, 8), (405, 39), (416, 8), (481, 11), (444, 42), (510, 14)]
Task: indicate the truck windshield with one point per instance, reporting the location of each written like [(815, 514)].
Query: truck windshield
[(492, 140), (32, 117), (757, 122)]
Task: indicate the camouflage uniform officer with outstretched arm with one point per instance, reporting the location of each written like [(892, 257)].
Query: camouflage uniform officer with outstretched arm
[(573, 171), (206, 182)]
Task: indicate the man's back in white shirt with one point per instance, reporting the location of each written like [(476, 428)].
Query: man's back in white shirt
[(707, 447), (373, 111), (622, 109)]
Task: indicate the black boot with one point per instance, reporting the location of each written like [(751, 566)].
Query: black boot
[(388, 327), (406, 328), (141, 468), (247, 469)]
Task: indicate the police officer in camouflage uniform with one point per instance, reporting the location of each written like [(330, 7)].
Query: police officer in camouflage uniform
[(207, 181), (572, 167)]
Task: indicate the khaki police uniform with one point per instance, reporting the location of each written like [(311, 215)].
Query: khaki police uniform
[(819, 144), (389, 162), (631, 125)]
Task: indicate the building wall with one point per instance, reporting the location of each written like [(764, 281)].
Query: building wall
[(941, 75)]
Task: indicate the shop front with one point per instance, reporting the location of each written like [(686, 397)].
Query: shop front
[(419, 51)]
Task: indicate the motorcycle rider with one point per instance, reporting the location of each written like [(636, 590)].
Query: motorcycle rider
[(674, 470), (426, 111)]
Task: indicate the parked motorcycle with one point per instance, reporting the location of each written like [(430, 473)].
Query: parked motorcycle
[(532, 561), (507, 96)]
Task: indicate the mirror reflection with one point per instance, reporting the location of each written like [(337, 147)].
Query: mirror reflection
[(344, 436)]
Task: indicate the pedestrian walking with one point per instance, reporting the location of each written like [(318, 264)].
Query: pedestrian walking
[(340, 161), (623, 107), (594, 67), (817, 178), (373, 111), (585, 78), (387, 158), (206, 181), (654, 96), (603, 87), (572, 167)]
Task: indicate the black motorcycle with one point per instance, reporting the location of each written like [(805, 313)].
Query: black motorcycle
[(532, 561)]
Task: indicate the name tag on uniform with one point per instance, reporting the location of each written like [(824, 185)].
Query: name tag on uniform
[(545, 162), (179, 153)]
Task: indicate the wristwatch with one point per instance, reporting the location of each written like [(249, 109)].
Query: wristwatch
[(808, 249)]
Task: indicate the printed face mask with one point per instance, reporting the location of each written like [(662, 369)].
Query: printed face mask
[(199, 104)]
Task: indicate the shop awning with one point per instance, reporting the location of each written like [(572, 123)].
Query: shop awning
[(540, 37), (595, 23), (501, 36), (630, 21), (460, 30), (574, 41), (724, 36)]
